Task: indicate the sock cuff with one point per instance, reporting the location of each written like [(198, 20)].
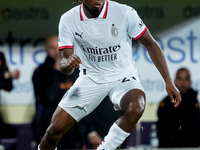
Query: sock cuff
[(118, 129), (114, 138)]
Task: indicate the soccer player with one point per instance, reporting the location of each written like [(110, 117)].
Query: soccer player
[(96, 37)]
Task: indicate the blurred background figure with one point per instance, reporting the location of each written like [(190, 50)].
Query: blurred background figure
[(50, 84), (6, 78), (180, 127)]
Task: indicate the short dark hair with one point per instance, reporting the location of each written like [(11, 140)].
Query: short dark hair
[(182, 69), (78, 1)]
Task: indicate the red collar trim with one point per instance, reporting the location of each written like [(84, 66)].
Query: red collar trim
[(106, 11), (81, 15)]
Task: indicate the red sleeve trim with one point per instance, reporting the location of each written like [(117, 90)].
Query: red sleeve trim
[(63, 47), (140, 34)]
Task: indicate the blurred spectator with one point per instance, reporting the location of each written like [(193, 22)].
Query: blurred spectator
[(50, 84), (6, 78), (95, 126), (180, 127)]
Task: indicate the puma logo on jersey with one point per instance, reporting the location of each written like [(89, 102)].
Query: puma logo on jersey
[(80, 35)]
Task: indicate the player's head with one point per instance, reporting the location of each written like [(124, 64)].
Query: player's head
[(182, 80), (93, 7), (51, 47)]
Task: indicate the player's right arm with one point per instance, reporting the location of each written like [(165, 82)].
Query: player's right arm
[(68, 61)]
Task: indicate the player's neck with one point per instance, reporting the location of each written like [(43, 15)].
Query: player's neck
[(89, 13)]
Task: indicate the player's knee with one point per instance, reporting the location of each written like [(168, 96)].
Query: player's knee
[(136, 109)]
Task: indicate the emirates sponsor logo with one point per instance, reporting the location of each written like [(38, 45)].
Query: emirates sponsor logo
[(101, 51), (97, 54)]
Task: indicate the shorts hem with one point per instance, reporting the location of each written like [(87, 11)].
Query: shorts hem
[(71, 113), (121, 94)]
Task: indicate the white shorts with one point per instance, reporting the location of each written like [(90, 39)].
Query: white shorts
[(85, 95)]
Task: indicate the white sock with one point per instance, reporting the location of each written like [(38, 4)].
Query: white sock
[(40, 149), (114, 138)]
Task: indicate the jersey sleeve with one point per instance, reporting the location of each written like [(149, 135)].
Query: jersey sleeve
[(65, 39), (136, 27)]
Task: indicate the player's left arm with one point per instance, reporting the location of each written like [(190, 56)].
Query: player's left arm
[(159, 60)]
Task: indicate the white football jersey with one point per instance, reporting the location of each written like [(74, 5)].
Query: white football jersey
[(104, 44)]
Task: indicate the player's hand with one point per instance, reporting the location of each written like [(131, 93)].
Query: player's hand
[(67, 65), (173, 93), (73, 61)]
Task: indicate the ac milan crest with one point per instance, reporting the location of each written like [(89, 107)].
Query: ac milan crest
[(114, 31)]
